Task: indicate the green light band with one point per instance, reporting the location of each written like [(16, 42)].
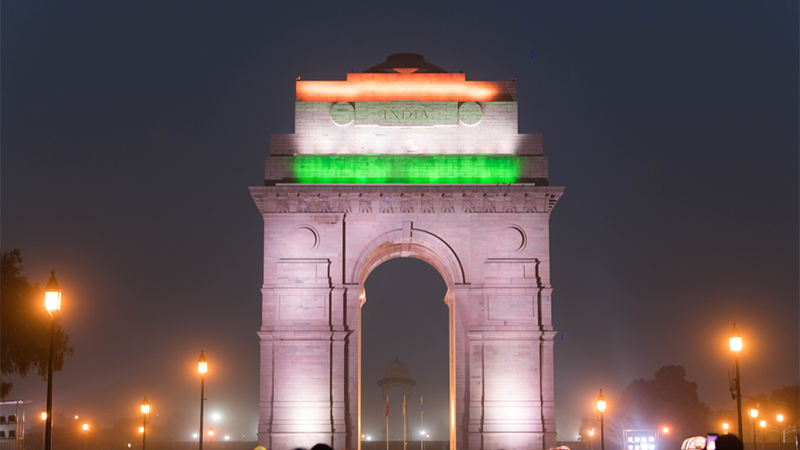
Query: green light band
[(438, 169)]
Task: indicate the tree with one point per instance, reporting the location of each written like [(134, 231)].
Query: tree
[(667, 400), (25, 325)]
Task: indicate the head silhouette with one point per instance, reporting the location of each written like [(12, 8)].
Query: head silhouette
[(729, 442)]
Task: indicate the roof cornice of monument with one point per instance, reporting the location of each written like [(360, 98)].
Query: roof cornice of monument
[(406, 63), (405, 76), (381, 87)]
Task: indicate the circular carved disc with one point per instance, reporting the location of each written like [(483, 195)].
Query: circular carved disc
[(342, 113), (304, 239), (512, 239), (470, 113)]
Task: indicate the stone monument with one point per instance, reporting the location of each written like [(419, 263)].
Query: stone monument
[(406, 160), (396, 374)]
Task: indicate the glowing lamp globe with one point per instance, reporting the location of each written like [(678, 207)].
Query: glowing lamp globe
[(86, 427), (145, 406), (44, 416), (665, 430), (725, 426), (141, 429), (601, 402), (591, 432), (211, 432), (754, 413), (780, 417), (763, 423), (736, 340), (52, 294), (202, 364)]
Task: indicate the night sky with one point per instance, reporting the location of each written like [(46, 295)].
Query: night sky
[(130, 133)]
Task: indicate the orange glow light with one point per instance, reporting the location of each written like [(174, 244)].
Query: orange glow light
[(373, 87)]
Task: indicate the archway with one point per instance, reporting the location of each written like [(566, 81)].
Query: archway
[(406, 317), (408, 243)]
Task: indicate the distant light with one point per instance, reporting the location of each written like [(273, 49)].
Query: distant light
[(202, 364), (763, 423), (211, 432), (76, 417), (601, 402), (651, 439), (422, 433), (52, 294), (129, 445), (194, 435), (725, 426), (369, 438), (630, 439), (227, 438), (216, 416), (44, 416), (591, 432), (665, 430), (145, 406), (736, 340), (141, 429), (780, 417), (753, 413), (86, 427)]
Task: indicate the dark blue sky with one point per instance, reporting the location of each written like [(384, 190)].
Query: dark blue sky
[(130, 133)]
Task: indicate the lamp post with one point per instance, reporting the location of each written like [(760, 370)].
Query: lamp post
[(202, 368), (601, 406), (763, 424), (52, 303), (85, 430), (736, 347), (753, 415), (145, 411), (591, 436), (780, 431), (211, 434)]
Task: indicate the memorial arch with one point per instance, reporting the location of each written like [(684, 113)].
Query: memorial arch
[(406, 160)]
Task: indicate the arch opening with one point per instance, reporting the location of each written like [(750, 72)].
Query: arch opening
[(404, 320)]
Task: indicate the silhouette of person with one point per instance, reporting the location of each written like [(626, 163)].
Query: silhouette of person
[(729, 442)]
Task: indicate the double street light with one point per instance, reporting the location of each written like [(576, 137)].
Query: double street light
[(753, 415), (601, 406), (145, 408), (52, 303), (736, 388), (202, 369)]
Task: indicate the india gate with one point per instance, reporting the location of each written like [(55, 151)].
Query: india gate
[(406, 160)]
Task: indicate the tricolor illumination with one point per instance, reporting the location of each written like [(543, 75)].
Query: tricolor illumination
[(437, 169)]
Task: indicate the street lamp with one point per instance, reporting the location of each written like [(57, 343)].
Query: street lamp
[(202, 369), (736, 347), (601, 406), (753, 415), (52, 303), (85, 429), (145, 411), (725, 427), (211, 434), (763, 424), (780, 431), (591, 441), (665, 430)]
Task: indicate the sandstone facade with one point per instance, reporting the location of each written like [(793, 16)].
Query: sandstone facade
[(490, 243)]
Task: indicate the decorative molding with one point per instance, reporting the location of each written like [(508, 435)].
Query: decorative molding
[(406, 199)]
